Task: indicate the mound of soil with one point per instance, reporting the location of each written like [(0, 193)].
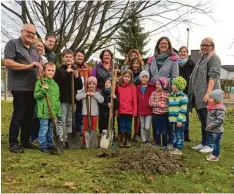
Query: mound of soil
[(148, 159)]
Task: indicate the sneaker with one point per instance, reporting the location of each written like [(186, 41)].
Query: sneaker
[(29, 146), (208, 156), (212, 158), (16, 149), (45, 151), (198, 147), (170, 147), (176, 152), (206, 149)]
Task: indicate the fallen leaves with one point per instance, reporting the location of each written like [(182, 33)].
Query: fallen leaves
[(70, 185)]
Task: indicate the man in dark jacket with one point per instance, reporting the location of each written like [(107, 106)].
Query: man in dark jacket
[(50, 41)]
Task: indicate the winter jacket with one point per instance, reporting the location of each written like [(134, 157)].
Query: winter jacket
[(186, 72), (143, 107), (215, 117), (63, 79), (159, 102), (50, 55), (177, 106), (97, 98), (127, 99), (103, 108), (169, 69), (207, 68), (101, 73), (53, 93)]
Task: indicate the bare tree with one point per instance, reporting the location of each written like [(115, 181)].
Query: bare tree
[(91, 24)]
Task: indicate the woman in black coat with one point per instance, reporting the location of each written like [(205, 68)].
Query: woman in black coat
[(186, 66)]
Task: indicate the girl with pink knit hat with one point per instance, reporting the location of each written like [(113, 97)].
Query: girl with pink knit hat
[(159, 102), (94, 98)]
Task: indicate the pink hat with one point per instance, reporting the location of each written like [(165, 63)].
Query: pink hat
[(163, 82), (92, 79)]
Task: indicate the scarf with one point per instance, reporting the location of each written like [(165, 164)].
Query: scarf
[(107, 90), (160, 59), (182, 62)]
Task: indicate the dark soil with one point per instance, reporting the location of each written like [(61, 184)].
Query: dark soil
[(146, 159)]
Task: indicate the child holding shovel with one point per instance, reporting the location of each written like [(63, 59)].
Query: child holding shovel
[(63, 79), (105, 107), (51, 88), (94, 98)]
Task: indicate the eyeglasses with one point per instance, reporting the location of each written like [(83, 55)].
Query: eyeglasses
[(32, 33), (206, 45)]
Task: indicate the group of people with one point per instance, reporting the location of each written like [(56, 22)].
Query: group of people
[(162, 92)]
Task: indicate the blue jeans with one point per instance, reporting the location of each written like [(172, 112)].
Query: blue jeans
[(45, 136), (178, 135), (213, 140), (160, 126), (125, 122), (202, 115)]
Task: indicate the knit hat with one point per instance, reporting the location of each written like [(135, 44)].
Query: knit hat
[(180, 83), (109, 79), (92, 79), (217, 95), (143, 73), (163, 82)]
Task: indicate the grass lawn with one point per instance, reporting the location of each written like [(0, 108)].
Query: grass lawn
[(81, 171)]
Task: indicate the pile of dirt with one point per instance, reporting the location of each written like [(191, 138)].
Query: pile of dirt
[(148, 159)]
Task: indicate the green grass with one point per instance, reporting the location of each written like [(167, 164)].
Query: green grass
[(34, 172)]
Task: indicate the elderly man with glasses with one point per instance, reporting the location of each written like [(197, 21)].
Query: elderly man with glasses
[(22, 60)]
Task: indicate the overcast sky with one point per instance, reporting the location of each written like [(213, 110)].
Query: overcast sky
[(221, 30)]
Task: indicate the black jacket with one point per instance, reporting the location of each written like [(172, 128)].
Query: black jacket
[(50, 55), (103, 108), (186, 72), (63, 79)]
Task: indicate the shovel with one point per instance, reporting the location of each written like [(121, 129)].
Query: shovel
[(90, 135), (57, 140), (74, 137), (107, 135)]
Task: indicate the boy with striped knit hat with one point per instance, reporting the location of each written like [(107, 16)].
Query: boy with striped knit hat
[(177, 105)]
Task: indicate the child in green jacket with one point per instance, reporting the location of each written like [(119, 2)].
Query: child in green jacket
[(51, 88)]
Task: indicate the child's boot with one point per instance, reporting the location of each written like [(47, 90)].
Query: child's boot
[(123, 141), (127, 143)]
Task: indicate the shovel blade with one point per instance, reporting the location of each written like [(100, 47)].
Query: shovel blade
[(93, 140), (87, 139), (59, 145), (74, 141), (105, 142)]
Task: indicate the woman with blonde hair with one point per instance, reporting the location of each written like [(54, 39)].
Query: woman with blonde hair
[(204, 79), (41, 50)]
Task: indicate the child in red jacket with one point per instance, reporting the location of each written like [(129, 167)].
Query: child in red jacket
[(144, 90), (159, 102), (126, 91)]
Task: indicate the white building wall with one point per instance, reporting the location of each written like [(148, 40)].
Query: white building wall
[(224, 74), (230, 75)]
